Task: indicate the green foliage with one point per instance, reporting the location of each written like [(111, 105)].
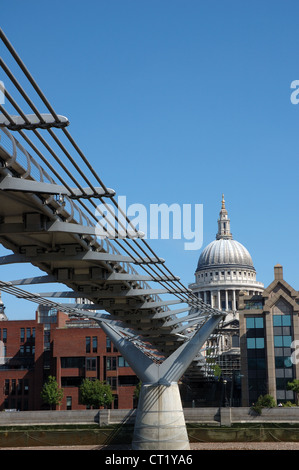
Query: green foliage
[(137, 390), (51, 394), (264, 401), (214, 366), (217, 371), (294, 386), (95, 393)]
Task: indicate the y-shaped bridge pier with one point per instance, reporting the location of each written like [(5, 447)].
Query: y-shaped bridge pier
[(160, 422)]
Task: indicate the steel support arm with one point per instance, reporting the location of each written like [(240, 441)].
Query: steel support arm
[(11, 183), (172, 369)]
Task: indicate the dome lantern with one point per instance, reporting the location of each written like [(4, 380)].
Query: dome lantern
[(223, 223)]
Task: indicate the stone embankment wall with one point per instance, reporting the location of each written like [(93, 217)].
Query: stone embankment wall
[(209, 416)]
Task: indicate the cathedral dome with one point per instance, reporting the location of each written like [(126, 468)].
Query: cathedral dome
[(225, 253), (224, 270)]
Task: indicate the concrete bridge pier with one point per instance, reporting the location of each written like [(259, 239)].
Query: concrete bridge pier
[(160, 422)]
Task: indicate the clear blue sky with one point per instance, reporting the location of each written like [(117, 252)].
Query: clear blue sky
[(177, 102)]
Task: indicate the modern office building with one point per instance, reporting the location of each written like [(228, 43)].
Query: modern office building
[(269, 333), (70, 350)]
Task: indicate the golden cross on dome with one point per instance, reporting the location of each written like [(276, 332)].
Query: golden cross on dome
[(223, 202)]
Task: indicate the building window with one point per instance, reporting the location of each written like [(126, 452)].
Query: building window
[(284, 372), (256, 358), (72, 362), (281, 320), (94, 344), (111, 363), (91, 363), (71, 381), (112, 381), (122, 362), (235, 341), (22, 335), (108, 344), (126, 380), (282, 341), (68, 403), (87, 344), (46, 338), (251, 304), (255, 343), (255, 323)]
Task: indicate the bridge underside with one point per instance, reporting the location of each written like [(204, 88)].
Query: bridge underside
[(41, 228), (49, 195)]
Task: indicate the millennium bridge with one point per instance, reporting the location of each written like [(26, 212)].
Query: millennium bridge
[(50, 197)]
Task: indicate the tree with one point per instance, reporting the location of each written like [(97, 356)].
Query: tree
[(51, 394), (264, 401), (217, 371), (294, 386), (95, 393), (213, 364)]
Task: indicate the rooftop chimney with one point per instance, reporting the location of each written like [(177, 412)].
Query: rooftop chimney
[(278, 272)]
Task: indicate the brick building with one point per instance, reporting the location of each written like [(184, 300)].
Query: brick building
[(70, 350)]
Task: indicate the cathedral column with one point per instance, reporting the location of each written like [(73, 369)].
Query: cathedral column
[(234, 300), (226, 300), (219, 299), (205, 296)]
